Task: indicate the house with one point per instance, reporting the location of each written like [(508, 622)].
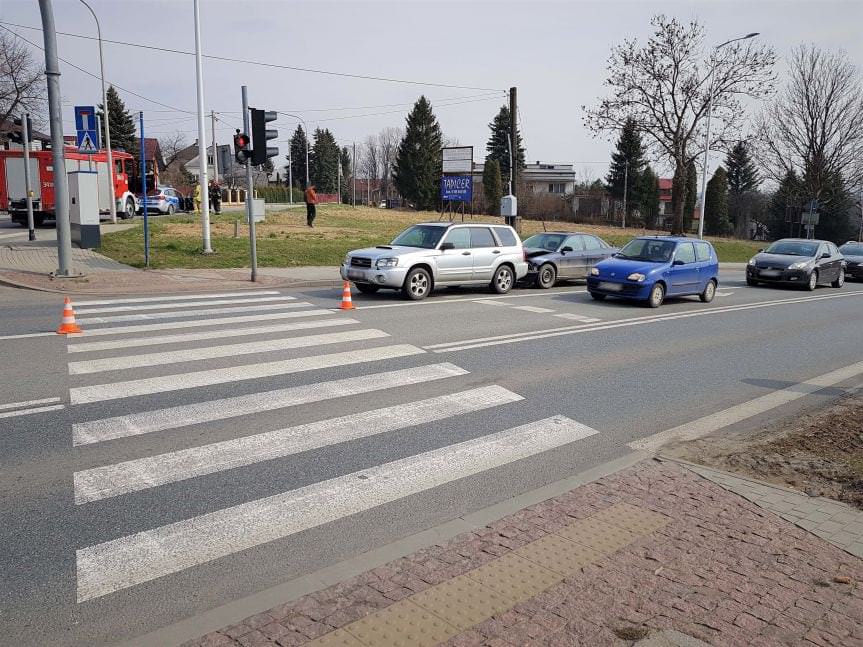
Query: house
[(540, 178), (40, 140)]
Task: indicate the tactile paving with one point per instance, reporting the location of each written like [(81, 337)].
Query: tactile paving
[(403, 624), (512, 575), (464, 602), (629, 517), (558, 554), (599, 535), (337, 638)]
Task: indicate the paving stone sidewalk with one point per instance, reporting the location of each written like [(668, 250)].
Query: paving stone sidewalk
[(652, 555)]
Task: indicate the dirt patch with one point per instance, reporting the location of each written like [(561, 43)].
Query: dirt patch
[(820, 453)]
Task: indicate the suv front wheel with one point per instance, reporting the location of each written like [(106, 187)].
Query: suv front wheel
[(417, 284), (503, 280)]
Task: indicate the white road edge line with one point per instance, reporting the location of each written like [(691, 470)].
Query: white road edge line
[(443, 300), (144, 473), (177, 297), (27, 412), (726, 417), (134, 424), (128, 561), (29, 334), (140, 307), (28, 403)]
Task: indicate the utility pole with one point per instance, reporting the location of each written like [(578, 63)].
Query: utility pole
[(215, 149), (202, 141), (55, 118), (31, 229), (290, 176), (513, 128), (250, 191), (354, 177), (625, 188), (339, 178), (144, 192)]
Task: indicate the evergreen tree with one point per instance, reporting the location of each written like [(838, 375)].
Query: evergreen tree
[(347, 174), (783, 211), (491, 187), (716, 220), (629, 155), (417, 168), (691, 197), (298, 156), (324, 162), (836, 207), (743, 181), (648, 197), (497, 147), (123, 131)]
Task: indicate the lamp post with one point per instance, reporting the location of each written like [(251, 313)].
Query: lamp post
[(107, 121), (707, 129), (202, 142)]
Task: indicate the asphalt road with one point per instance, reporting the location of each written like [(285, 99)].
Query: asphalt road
[(185, 453)]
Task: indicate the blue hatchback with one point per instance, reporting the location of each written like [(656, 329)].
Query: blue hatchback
[(650, 268)]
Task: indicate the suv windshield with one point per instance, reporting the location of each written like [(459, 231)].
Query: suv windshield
[(792, 248), (852, 249), (648, 249), (545, 241), (423, 236)]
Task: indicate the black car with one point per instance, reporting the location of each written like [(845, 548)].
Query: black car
[(853, 253), (795, 261), (562, 255)]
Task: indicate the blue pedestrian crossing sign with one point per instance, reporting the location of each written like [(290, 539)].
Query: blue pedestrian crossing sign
[(86, 130)]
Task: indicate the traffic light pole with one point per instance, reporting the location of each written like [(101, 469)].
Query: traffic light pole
[(31, 229), (250, 192)]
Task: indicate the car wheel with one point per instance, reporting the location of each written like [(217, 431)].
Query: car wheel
[(709, 292), (367, 288), (812, 283), (129, 211), (546, 277), (751, 282), (503, 279), (170, 210), (417, 284), (657, 295), (598, 296), (840, 280)]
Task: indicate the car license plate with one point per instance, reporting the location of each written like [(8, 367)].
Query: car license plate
[(769, 273), (610, 287), (356, 274)]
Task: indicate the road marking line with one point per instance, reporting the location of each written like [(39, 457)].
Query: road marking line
[(134, 559), (481, 342), (200, 323), (149, 386), (29, 334), (715, 421), (440, 300), (535, 309), (152, 471), (28, 403), (178, 297), (720, 293), (184, 314), (489, 302), (212, 352), (182, 304), (134, 424), (17, 234), (27, 412), (574, 317), (85, 347)]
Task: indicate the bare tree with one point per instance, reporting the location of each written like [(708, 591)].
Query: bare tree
[(814, 127), (370, 164), (171, 146), (388, 146), (22, 86), (665, 86)]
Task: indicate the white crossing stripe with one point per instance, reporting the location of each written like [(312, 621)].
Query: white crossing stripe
[(184, 314), (183, 304), (535, 309), (489, 302), (222, 333), (148, 386), (15, 234), (27, 412), (141, 474), (128, 561), (177, 297), (574, 317), (28, 403), (200, 323), (134, 424), (212, 352)]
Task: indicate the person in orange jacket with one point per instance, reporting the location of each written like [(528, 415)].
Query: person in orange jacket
[(311, 201)]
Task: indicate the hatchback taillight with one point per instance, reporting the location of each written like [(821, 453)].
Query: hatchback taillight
[(524, 254)]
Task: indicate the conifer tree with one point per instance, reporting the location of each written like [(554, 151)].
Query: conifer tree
[(691, 197), (298, 156), (324, 162), (743, 181), (497, 147), (629, 155), (783, 210), (648, 197), (123, 131), (491, 187), (716, 205), (417, 167)]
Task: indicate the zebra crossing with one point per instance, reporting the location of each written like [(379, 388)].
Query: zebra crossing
[(166, 365)]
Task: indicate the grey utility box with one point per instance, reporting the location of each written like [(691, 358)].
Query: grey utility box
[(84, 209), (259, 209), (509, 210)]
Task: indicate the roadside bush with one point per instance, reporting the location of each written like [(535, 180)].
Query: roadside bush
[(278, 193)]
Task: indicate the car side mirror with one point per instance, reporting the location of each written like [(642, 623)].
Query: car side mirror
[(677, 261), (446, 246), (825, 255), (760, 250), (564, 250)]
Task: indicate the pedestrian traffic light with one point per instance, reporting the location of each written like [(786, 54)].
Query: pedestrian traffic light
[(241, 147), (21, 131), (261, 135)]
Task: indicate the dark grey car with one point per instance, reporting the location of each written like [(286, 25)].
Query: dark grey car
[(563, 255), (853, 253), (796, 261)]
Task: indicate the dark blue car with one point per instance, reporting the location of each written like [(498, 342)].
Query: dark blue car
[(651, 268)]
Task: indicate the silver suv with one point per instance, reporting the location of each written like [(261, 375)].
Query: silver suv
[(432, 254)]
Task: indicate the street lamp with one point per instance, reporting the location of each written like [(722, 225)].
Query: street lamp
[(306, 127), (111, 173), (707, 130)]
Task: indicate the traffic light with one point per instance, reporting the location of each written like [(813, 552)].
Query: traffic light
[(261, 135), (241, 147), (21, 131)]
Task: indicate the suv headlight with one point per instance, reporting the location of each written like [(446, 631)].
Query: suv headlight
[(636, 276), (594, 271), (347, 260), (752, 261), (384, 263), (799, 265)]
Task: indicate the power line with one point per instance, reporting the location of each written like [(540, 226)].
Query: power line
[(264, 63)]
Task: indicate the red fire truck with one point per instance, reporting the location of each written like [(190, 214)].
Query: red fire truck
[(13, 195)]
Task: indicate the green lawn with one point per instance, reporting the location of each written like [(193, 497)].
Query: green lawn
[(285, 241)]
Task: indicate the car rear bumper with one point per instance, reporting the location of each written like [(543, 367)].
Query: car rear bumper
[(777, 276), (624, 289)]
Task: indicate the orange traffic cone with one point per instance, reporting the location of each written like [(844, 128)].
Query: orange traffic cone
[(68, 325), (346, 297)]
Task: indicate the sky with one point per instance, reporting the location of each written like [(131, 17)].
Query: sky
[(554, 52)]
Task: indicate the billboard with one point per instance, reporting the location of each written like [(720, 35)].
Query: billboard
[(458, 159), (456, 187)]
